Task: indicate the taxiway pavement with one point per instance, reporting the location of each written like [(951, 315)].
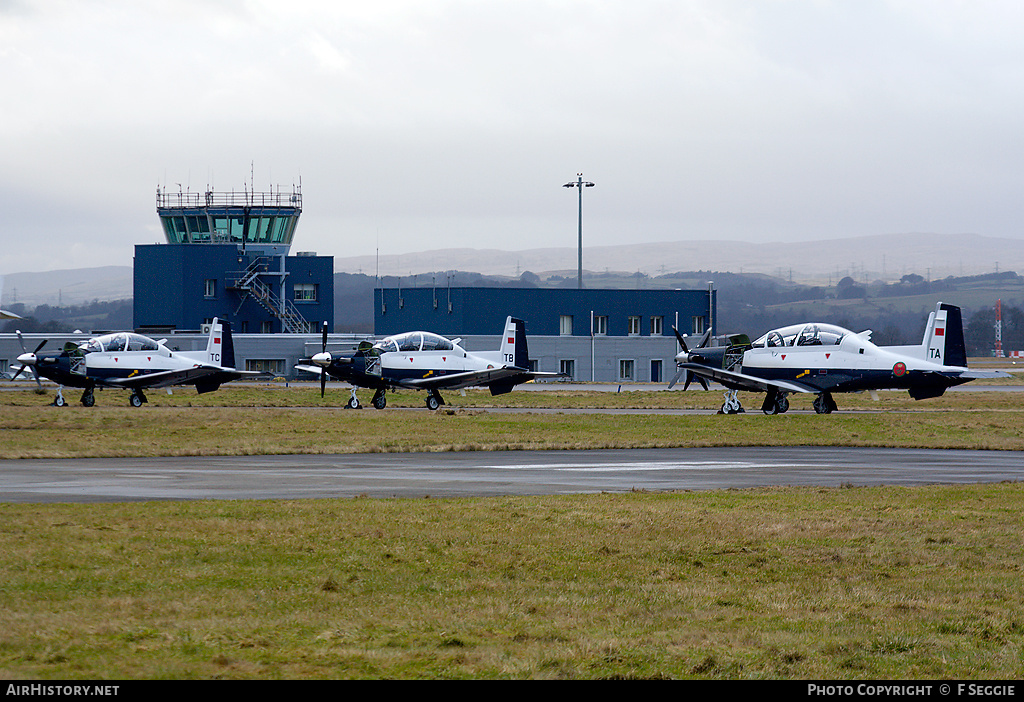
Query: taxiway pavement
[(479, 473)]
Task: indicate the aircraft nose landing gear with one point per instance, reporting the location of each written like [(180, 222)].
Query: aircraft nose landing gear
[(353, 402), (732, 403)]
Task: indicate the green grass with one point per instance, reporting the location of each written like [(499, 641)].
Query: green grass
[(798, 583), (266, 420), (770, 583)]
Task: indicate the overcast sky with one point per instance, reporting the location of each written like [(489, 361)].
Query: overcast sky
[(426, 124)]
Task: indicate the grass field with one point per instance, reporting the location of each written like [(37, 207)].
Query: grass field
[(243, 420), (841, 583)]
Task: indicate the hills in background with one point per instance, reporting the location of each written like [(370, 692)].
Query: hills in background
[(854, 282), (865, 259), (823, 262)]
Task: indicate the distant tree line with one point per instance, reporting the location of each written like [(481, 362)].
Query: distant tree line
[(92, 316)]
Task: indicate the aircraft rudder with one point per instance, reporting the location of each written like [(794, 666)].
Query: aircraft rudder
[(955, 346), (220, 349), (521, 350), (228, 352), (944, 336)]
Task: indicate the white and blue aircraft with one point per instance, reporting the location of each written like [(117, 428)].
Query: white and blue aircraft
[(824, 359), (134, 362), (422, 360)]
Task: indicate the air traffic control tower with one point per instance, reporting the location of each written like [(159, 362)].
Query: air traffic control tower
[(227, 255)]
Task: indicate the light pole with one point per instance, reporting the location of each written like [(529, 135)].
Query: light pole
[(579, 183)]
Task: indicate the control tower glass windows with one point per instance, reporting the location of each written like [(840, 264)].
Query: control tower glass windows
[(281, 230), (236, 228), (174, 228)]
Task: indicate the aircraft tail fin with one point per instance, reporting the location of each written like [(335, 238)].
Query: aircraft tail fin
[(944, 336), (514, 351), (220, 349)]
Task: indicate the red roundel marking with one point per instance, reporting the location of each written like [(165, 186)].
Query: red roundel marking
[(900, 369)]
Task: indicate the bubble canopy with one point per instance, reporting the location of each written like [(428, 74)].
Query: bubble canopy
[(121, 341), (414, 341), (813, 334)]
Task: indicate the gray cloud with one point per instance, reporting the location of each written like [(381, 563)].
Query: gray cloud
[(424, 125)]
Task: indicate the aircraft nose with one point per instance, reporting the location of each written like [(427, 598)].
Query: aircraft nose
[(27, 359), (322, 359)]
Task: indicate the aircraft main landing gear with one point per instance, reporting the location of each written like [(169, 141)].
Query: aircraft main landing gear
[(434, 400), (379, 400), (137, 399), (775, 403), (824, 404), (88, 399), (732, 403)]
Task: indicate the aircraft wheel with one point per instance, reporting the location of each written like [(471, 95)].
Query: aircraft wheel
[(88, 400), (380, 401), (732, 404), (782, 404), (824, 404), (59, 401), (135, 400), (433, 402), (353, 403)]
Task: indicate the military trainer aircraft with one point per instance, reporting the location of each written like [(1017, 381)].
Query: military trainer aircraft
[(134, 362), (425, 361), (825, 359)]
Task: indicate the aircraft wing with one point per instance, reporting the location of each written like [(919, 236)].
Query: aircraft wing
[(184, 376), (743, 381), (457, 381)]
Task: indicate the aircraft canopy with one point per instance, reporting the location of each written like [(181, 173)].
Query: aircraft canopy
[(414, 341), (121, 341), (803, 335)]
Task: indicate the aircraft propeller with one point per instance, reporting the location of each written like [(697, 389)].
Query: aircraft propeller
[(29, 359), (323, 359), (686, 357)]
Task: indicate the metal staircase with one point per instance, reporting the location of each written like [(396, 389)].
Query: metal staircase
[(248, 282)]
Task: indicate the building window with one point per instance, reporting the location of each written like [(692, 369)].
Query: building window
[(600, 326), (210, 288), (305, 292), (627, 368), (657, 326), (273, 366), (698, 325), (634, 325), (266, 327), (565, 325), (567, 367)]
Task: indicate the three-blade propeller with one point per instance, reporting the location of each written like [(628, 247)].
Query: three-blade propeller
[(686, 357), (28, 360)]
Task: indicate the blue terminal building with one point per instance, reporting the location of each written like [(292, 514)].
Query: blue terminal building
[(228, 256), (589, 335)]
